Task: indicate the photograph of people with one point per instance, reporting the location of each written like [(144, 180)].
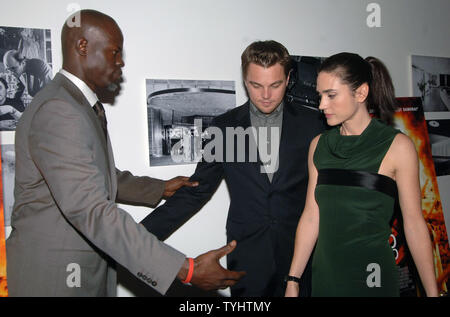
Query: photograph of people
[(10, 108)]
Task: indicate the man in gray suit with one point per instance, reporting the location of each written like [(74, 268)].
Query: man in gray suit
[(68, 231)]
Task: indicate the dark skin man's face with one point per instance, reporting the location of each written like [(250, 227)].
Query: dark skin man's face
[(103, 61)]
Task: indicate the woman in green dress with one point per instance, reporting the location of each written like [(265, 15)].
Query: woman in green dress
[(355, 170)]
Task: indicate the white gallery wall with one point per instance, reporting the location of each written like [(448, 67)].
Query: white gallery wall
[(201, 39)]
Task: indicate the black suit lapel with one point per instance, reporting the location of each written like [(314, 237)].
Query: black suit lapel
[(243, 120), (243, 116), (288, 131)]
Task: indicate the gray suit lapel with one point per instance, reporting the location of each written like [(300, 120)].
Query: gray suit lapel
[(82, 102), (112, 171)]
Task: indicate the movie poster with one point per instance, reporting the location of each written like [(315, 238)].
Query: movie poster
[(410, 120), (3, 286), (8, 168)]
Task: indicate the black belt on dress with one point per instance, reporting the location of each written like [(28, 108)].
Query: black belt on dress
[(374, 181)]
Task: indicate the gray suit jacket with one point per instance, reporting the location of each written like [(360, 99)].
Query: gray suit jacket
[(68, 231)]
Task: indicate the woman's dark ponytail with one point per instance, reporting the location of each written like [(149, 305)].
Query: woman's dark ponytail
[(355, 71), (381, 99)]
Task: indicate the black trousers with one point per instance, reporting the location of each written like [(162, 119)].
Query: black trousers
[(277, 286)]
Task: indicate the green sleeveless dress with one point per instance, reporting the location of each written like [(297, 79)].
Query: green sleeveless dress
[(352, 255)]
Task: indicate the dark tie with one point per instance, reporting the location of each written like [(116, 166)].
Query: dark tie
[(100, 112)]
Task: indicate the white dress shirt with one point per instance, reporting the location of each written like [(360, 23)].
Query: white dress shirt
[(87, 92)]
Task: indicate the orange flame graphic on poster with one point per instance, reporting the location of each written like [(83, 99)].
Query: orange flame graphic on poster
[(409, 118), (3, 285)]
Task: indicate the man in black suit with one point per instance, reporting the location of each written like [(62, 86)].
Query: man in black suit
[(267, 187)]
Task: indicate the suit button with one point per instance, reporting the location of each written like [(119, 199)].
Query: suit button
[(154, 283)]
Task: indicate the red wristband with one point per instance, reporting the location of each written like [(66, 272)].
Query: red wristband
[(190, 272)]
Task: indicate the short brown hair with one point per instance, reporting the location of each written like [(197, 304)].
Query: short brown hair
[(266, 54)]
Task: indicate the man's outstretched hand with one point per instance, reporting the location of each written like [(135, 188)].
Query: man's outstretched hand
[(208, 273), (172, 185)]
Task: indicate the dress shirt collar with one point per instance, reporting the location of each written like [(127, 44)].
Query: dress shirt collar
[(87, 92), (271, 116)]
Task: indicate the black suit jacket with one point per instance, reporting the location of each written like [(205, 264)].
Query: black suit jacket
[(263, 215)]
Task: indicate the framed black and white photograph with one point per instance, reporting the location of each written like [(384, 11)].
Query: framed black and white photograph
[(431, 82), (179, 112), (302, 81), (25, 68), (8, 155), (439, 134)]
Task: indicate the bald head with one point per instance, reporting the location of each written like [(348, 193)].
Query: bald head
[(91, 21), (92, 51)]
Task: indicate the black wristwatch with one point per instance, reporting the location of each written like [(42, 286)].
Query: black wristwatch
[(295, 279)]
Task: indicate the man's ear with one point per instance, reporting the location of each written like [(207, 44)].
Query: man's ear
[(362, 92), (82, 46)]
